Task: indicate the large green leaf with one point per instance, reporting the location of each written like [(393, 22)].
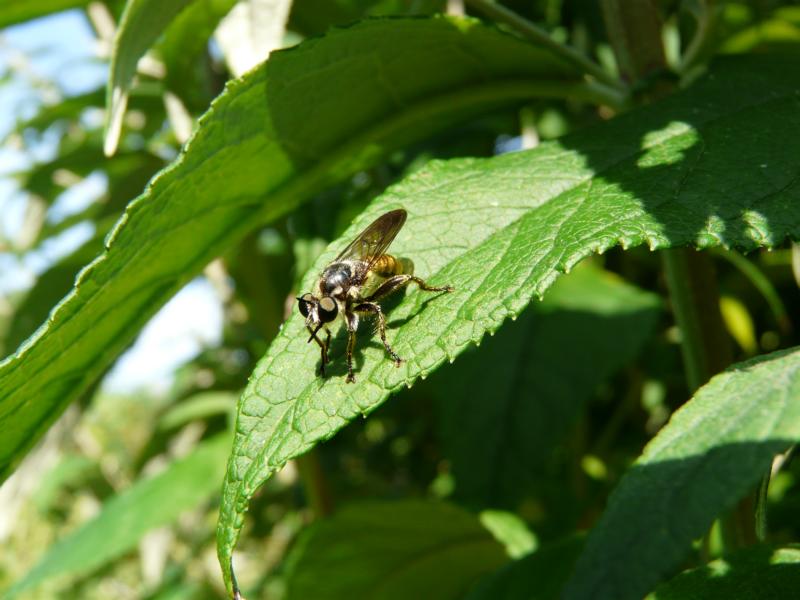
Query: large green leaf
[(500, 230), (714, 449), (309, 117), (509, 402), (758, 573), (392, 550), (125, 518)]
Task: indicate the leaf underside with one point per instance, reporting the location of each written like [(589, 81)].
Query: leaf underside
[(500, 230)]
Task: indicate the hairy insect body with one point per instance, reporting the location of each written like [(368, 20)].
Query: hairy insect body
[(353, 283)]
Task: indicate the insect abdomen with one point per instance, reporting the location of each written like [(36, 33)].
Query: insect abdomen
[(387, 266)]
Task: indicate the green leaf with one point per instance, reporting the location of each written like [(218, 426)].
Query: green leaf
[(50, 286), (143, 21), (183, 50), (711, 453), (309, 117), (124, 519), (758, 573), (500, 230), (408, 549), (518, 396), (199, 406), (538, 576), (12, 12)]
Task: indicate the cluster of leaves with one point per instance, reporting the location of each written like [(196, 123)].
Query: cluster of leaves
[(480, 478)]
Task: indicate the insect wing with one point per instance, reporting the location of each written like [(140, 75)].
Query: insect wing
[(375, 239)]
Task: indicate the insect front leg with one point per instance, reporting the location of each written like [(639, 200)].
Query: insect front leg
[(323, 346), (375, 308), (399, 281), (351, 321)]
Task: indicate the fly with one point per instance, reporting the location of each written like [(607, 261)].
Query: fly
[(343, 283)]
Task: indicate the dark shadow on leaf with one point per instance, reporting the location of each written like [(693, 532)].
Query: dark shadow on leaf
[(708, 185), (656, 512), (756, 573)]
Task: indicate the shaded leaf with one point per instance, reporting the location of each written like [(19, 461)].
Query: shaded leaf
[(507, 404), (758, 573), (538, 576), (500, 230), (711, 453), (408, 549)]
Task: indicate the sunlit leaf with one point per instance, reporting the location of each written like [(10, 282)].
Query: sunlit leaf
[(12, 12), (500, 230), (310, 117)]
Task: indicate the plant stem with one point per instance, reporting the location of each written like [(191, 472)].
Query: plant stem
[(692, 283), (539, 36), (315, 484), (634, 28)]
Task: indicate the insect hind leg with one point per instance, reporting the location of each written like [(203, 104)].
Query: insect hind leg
[(376, 309), (397, 282)]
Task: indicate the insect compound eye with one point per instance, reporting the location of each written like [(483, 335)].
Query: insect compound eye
[(327, 309), (303, 303)]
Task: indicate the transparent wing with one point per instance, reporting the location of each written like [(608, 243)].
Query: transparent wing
[(375, 239)]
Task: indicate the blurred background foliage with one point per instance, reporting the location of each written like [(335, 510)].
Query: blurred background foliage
[(122, 493)]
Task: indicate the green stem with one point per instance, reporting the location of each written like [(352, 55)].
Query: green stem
[(692, 284), (539, 36), (315, 484)]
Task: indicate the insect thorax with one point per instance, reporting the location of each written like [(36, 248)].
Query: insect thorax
[(337, 278)]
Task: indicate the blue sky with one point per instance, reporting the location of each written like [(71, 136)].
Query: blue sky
[(61, 48)]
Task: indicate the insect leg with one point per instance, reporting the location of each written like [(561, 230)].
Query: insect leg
[(375, 308), (323, 346), (351, 320), (399, 281)]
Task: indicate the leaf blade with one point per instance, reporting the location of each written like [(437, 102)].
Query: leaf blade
[(253, 158), (389, 550), (125, 518), (713, 450), (500, 231)]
